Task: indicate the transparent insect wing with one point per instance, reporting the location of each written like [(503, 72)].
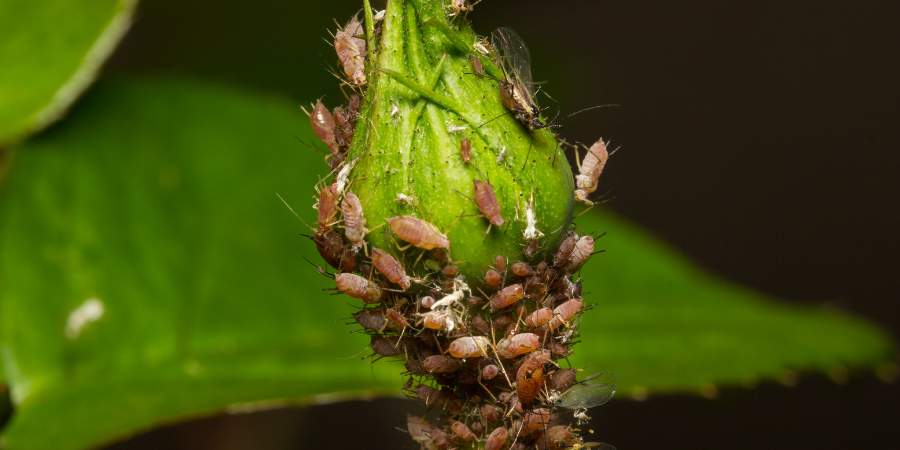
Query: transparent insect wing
[(515, 60), (596, 391)]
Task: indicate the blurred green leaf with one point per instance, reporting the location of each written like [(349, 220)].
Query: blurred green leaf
[(50, 52), (156, 201), (664, 326)]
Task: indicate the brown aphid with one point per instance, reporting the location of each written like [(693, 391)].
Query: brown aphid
[(323, 125), (539, 317), (584, 247), (331, 247), (497, 439), (489, 372), (469, 347), (353, 108), (462, 431), (565, 250), (519, 344), (565, 312), (492, 278), (465, 149), (358, 287), (432, 397), (589, 171), (476, 65), (477, 429), (559, 349), (441, 364), (418, 232), (390, 267), (531, 248), (562, 379), (327, 207), (487, 202), (392, 346), (556, 438), (394, 316), (415, 367), (537, 419), (500, 263), (490, 413), (507, 296), (354, 221), (450, 270), (479, 324), (374, 319), (530, 377), (501, 322), (419, 429), (521, 269)]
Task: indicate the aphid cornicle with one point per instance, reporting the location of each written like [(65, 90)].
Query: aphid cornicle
[(323, 125), (517, 89), (358, 287), (589, 171), (390, 268), (469, 347), (354, 221), (507, 296), (487, 202), (465, 149), (530, 377), (497, 439), (418, 232)]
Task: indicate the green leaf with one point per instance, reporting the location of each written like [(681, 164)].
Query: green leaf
[(664, 326), (50, 52), (157, 199)]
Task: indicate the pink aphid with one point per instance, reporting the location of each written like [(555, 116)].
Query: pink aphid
[(354, 221), (351, 51), (469, 347), (390, 267), (358, 287), (487, 202), (323, 125), (589, 172), (418, 232), (507, 296), (519, 344), (565, 312), (327, 207), (584, 247), (539, 317)]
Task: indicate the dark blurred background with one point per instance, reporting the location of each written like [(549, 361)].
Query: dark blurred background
[(759, 138)]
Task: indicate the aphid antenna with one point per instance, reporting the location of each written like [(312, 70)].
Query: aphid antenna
[(314, 148)]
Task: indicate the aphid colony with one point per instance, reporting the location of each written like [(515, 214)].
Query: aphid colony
[(489, 354)]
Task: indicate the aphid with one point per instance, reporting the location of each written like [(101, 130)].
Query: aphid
[(594, 390), (531, 248), (519, 344), (517, 88), (565, 312), (480, 325), (565, 250), (415, 367), (461, 6), (465, 149), (500, 263), (327, 207), (354, 221), (418, 232), (427, 301), (536, 419), (490, 413), (489, 372), (539, 317), (482, 46), (375, 319), (492, 278), (476, 65), (419, 429), (358, 287), (497, 439), (584, 247), (450, 270), (507, 296), (475, 301), (521, 269), (462, 431), (432, 397), (469, 347), (441, 364), (323, 125), (390, 268), (501, 322), (394, 316), (438, 320), (392, 346), (559, 349), (530, 377), (351, 51), (477, 429), (331, 248), (562, 379), (589, 171), (556, 438)]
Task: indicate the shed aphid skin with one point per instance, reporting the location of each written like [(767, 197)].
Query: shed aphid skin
[(589, 171), (418, 232), (351, 51), (390, 268), (531, 231)]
